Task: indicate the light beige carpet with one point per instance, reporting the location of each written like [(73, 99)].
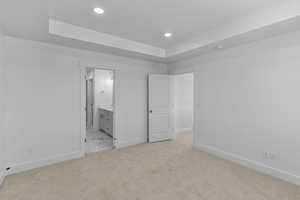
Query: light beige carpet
[(165, 170)]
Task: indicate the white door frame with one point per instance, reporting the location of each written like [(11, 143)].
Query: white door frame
[(194, 105), (83, 105)]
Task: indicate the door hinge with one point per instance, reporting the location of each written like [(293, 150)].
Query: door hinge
[(85, 140)]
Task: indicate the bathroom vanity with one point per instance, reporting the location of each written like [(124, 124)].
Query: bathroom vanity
[(106, 120)]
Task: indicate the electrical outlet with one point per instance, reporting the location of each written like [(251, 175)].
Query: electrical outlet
[(269, 155)]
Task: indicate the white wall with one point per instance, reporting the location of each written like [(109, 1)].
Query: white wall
[(103, 92), (183, 102), (103, 88), (2, 106), (248, 103), (43, 100)]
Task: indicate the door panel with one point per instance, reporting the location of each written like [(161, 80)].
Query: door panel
[(89, 104), (159, 107)]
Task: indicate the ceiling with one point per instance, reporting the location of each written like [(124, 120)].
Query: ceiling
[(139, 25), (146, 21)]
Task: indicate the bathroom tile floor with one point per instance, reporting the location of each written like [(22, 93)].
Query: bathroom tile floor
[(97, 141)]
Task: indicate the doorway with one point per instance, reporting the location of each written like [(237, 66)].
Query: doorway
[(183, 107), (98, 101), (171, 108)]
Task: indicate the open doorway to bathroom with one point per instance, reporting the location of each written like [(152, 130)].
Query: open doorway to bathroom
[(99, 109)]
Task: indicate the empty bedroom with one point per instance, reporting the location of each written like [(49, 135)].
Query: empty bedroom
[(149, 100)]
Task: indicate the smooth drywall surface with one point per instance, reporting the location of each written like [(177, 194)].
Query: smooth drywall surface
[(103, 92), (2, 106), (183, 102), (247, 103), (43, 100)]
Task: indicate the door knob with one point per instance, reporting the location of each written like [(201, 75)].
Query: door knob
[(150, 111)]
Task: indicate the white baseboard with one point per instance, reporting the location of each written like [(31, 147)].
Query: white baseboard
[(2, 176), (44, 162), (184, 130), (60, 158), (123, 144), (284, 175)]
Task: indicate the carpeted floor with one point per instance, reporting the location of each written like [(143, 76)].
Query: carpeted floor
[(165, 170)]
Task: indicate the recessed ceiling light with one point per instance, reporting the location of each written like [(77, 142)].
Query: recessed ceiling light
[(167, 35), (98, 11)]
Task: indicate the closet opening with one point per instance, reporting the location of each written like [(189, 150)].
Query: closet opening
[(183, 108)]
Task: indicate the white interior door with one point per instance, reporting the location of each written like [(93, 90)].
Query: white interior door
[(89, 104), (159, 107)]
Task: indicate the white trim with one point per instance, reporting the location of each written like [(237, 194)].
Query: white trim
[(2, 177), (82, 109), (44, 162), (115, 107), (79, 33), (123, 144), (284, 175)]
